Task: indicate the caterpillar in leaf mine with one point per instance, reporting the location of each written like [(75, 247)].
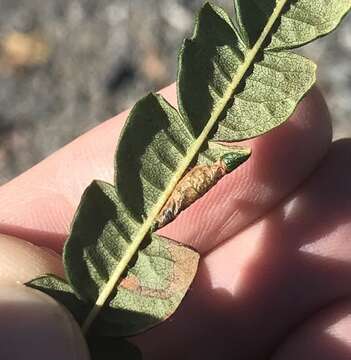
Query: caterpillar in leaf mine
[(199, 180)]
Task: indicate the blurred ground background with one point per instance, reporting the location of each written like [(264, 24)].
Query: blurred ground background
[(67, 65)]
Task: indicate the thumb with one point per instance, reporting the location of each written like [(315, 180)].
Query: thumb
[(34, 327)]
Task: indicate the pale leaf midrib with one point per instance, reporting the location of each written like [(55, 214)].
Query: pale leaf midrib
[(184, 164)]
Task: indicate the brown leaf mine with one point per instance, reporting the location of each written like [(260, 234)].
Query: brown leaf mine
[(195, 184)]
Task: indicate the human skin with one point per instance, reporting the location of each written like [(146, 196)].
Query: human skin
[(274, 279)]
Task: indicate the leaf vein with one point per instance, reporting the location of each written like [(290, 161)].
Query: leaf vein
[(148, 181), (225, 73)]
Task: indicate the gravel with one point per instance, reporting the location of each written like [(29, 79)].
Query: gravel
[(96, 58)]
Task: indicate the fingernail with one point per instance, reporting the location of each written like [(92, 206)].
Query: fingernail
[(34, 326)]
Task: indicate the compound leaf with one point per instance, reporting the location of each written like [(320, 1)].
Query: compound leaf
[(231, 87)]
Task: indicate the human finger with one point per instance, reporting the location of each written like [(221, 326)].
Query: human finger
[(327, 336), (34, 326), (260, 284), (254, 290), (39, 205)]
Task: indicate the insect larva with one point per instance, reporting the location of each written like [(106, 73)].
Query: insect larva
[(196, 183)]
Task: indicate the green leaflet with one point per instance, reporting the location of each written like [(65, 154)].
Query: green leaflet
[(234, 83), (143, 174), (270, 96), (208, 61), (215, 151), (251, 27), (301, 22)]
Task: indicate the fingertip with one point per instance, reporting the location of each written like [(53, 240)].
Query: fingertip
[(34, 326), (325, 336)]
